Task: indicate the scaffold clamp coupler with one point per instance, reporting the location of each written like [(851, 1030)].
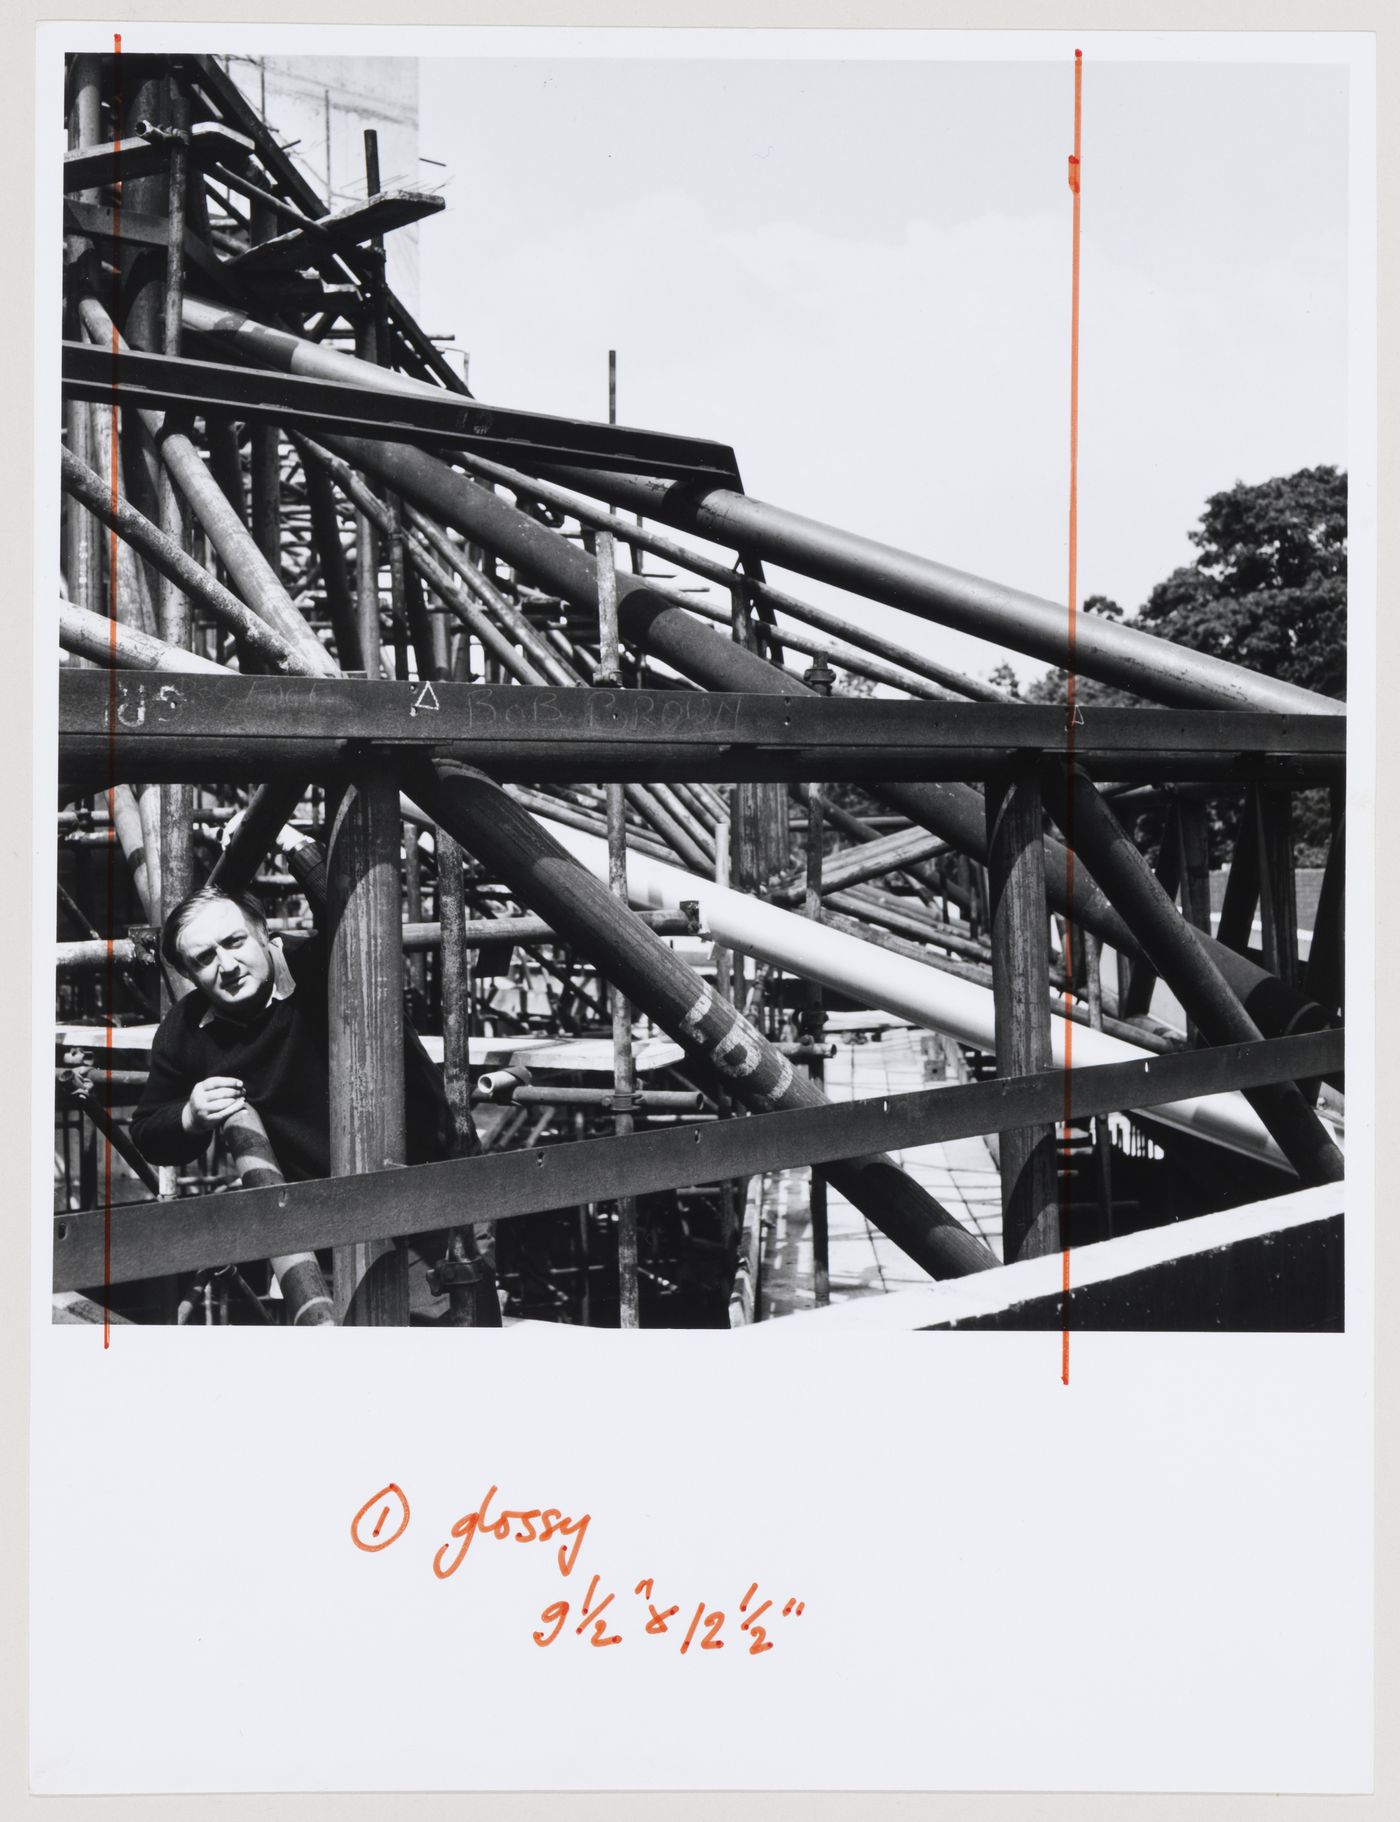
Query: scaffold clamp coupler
[(452, 1274)]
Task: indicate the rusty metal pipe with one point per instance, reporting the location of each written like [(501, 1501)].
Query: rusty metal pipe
[(589, 513), (1101, 843), (299, 1277), (252, 574), (476, 812), (118, 647), (952, 811), (1109, 651), (169, 560)]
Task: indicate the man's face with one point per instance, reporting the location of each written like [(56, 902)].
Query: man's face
[(226, 958)]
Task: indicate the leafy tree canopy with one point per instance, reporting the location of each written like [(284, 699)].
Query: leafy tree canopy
[(1267, 589)]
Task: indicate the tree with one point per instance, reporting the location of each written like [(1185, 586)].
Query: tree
[(1267, 591), (1269, 588)]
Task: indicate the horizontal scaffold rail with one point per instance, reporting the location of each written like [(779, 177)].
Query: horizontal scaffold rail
[(159, 726), (145, 382), (151, 1238)]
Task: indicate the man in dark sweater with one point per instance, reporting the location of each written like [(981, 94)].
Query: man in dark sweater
[(255, 1034)]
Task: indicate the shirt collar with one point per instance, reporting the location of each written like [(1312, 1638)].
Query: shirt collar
[(283, 987)]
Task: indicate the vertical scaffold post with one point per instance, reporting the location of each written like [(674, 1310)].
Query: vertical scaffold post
[(1279, 905), (265, 445), (366, 1034), (813, 1023), (471, 1256), (173, 617), (82, 550), (1326, 970), (1185, 967), (1030, 1216), (624, 1073), (367, 547), (1092, 952)]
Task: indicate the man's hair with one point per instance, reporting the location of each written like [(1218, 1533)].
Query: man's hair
[(185, 910)]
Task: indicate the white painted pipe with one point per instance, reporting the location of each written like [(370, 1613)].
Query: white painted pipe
[(265, 347), (940, 1002)]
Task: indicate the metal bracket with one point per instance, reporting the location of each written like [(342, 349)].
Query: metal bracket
[(451, 1274)]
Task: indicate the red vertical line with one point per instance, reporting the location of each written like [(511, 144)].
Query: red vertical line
[(1075, 173), (112, 687)]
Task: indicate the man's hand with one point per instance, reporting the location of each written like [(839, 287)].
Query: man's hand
[(211, 1102)]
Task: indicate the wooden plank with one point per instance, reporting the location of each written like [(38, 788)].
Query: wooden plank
[(334, 234)]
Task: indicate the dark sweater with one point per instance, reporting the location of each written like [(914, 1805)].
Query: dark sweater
[(282, 1057)]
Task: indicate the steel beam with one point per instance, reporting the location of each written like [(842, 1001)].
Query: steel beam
[(506, 839), (254, 1223), (953, 811), (597, 734), (159, 382)]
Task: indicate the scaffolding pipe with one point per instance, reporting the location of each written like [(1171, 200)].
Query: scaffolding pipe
[(167, 558), (1109, 651), (120, 647), (102, 952), (624, 1070), (927, 996), (544, 874), (299, 1278), (365, 992), (1101, 843), (1030, 1209), (600, 519), (952, 811), (853, 662), (869, 860), (238, 551), (135, 839), (116, 1136), (173, 617)]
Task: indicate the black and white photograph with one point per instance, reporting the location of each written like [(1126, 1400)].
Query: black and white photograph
[(491, 837)]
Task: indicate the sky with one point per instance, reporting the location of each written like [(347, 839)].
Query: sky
[(858, 275)]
